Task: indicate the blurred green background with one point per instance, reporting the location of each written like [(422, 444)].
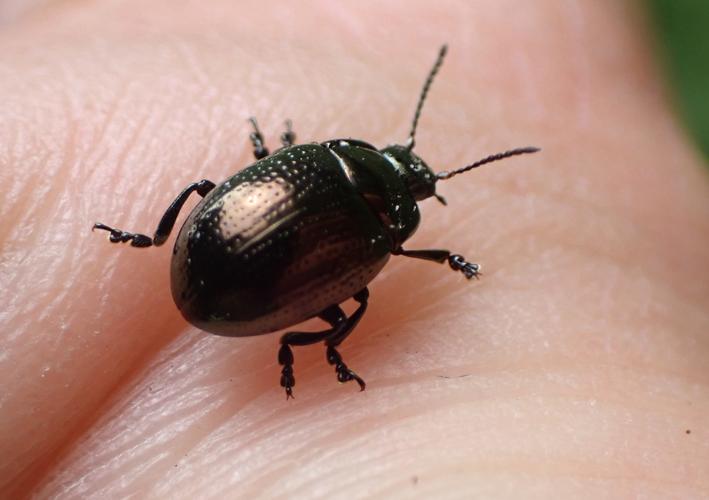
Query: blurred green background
[(683, 28)]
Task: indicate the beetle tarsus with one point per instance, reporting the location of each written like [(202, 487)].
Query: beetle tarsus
[(344, 374), (285, 359), (119, 236), (288, 381), (469, 269)]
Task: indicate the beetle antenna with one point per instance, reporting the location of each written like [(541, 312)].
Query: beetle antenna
[(427, 85), (499, 156)]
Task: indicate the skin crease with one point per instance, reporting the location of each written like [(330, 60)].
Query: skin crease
[(576, 367)]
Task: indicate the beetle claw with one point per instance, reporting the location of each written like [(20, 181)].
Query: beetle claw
[(358, 379)]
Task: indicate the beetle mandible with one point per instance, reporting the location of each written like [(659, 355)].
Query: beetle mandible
[(297, 233)]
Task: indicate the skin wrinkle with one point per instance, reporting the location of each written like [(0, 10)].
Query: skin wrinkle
[(500, 241), (87, 422), (167, 459), (630, 230), (578, 30), (380, 459), (16, 211), (8, 182), (100, 152)]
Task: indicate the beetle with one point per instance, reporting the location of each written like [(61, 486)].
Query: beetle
[(297, 233)]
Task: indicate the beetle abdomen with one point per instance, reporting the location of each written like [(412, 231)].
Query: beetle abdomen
[(276, 244)]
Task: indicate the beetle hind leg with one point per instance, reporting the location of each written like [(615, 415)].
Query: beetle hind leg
[(167, 222)]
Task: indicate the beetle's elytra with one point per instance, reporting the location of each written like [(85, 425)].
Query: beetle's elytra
[(297, 233)]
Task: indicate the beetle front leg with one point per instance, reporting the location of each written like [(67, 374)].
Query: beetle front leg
[(469, 269), (455, 261), (167, 222)]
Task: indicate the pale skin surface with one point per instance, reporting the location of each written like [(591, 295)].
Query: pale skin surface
[(577, 366)]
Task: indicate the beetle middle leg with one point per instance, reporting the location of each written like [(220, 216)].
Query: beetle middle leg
[(342, 326), (167, 222), (344, 374), (455, 261), (288, 137), (260, 149), (333, 315)]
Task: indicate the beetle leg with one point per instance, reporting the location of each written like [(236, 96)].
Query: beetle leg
[(342, 326), (455, 261), (167, 222), (350, 323), (469, 269), (344, 374), (288, 137), (333, 315), (260, 150)]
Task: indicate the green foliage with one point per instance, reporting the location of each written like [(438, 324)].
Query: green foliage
[(683, 29)]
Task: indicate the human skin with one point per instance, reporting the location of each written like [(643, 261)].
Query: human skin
[(576, 367)]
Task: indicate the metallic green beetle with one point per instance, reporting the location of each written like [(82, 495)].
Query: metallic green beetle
[(296, 234)]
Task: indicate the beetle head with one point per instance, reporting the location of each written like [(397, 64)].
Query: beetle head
[(421, 180), (417, 176)]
